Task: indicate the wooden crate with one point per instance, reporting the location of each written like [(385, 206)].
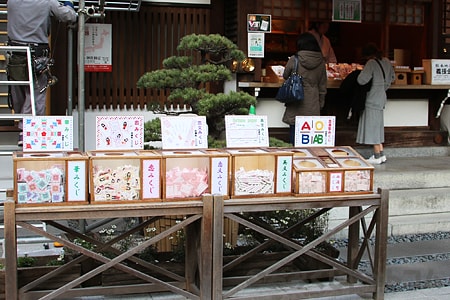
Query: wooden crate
[(332, 171), (185, 174), (117, 176), (53, 178), (416, 77), (254, 172)]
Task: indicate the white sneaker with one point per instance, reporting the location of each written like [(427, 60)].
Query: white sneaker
[(383, 159), (374, 161)]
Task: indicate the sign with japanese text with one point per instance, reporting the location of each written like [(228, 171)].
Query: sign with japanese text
[(76, 176), (119, 132), (315, 131), (219, 177), (184, 132), (48, 133), (97, 48), (151, 179), (246, 131), (284, 174), (259, 23), (347, 11)]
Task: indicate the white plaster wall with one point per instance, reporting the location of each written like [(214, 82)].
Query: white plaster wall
[(89, 122)]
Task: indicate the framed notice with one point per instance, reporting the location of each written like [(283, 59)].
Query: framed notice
[(259, 23), (255, 44), (184, 132), (97, 49), (347, 11), (48, 133), (318, 131), (119, 132), (246, 131)]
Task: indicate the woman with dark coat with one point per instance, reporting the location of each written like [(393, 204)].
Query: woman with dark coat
[(312, 68)]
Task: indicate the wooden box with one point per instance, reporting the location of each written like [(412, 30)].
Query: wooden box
[(401, 76), (117, 176), (310, 177), (53, 178), (416, 77), (331, 171), (185, 174), (254, 172)]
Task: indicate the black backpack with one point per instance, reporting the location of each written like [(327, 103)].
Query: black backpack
[(354, 93)]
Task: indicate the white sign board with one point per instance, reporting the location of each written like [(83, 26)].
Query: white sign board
[(97, 49), (184, 132), (246, 131), (315, 131), (256, 44), (119, 132), (48, 133)]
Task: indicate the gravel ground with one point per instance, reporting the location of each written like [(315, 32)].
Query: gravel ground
[(409, 238)]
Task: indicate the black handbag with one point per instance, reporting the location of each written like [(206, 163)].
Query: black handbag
[(292, 88)]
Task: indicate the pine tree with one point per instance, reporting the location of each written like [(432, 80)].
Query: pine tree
[(187, 78)]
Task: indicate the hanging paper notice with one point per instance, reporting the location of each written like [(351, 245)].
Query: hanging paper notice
[(246, 131), (119, 132), (97, 49), (48, 133), (255, 44), (347, 11), (315, 131), (184, 132)]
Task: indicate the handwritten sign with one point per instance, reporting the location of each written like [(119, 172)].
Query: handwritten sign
[(48, 133), (151, 179), (184, 132), (219, 178), (76, 177), (284, 174), (119, 132), (317, 131), (246, 131)]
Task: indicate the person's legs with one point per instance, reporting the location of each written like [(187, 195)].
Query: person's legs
[(292, 134)]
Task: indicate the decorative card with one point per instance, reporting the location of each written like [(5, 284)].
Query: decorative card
[(315, 131), (47, 133), (246, 131), (184, 132), (119, 132)]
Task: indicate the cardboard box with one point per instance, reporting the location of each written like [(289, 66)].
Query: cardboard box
[(437, 71), (54, 178)]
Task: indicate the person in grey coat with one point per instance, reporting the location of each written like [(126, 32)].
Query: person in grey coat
[(313, 70), (29, 24), (371, 122)]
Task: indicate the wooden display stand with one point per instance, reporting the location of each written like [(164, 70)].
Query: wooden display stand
[(204, 223), (344, 278)]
